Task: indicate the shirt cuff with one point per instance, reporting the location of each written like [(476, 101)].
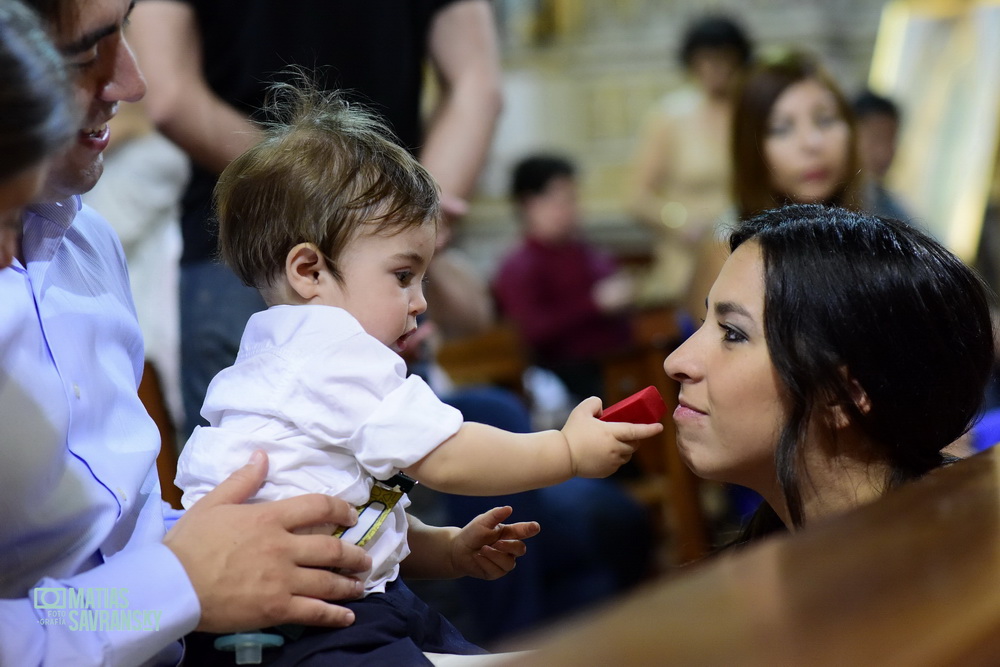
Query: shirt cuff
[(170, 515), (155, 596)]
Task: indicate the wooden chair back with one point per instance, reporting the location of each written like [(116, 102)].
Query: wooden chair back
[(495, 356)]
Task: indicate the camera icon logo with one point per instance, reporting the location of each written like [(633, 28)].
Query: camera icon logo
[(50, 598)]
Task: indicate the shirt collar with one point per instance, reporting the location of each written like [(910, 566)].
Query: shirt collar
[(61, 212)]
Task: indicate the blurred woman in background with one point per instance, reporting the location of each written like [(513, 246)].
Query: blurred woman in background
[(681, 178), (793, 142)]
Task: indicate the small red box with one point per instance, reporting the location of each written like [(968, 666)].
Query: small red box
[(643, 407)]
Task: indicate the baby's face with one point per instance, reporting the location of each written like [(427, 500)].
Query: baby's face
[(382, 285)]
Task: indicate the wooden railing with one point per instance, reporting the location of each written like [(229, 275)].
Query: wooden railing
[(911, 580)]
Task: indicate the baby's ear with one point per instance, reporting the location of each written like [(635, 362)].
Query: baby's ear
[(305, 267)]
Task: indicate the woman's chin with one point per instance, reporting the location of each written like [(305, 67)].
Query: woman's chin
[(818, 194), (691, 461)]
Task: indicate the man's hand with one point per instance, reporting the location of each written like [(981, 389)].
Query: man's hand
[(488, 549), (248, 567)]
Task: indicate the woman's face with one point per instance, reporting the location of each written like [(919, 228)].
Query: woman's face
[(16, 193), (730, 410), (715, 69), (807, 144)]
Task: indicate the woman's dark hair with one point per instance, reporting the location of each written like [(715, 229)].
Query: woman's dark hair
[(755, 98), (715, 32), (853, 301), (534, 173), (36, 111)]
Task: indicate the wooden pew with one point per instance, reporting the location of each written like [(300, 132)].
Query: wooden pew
[(911, 580), (495, 356)]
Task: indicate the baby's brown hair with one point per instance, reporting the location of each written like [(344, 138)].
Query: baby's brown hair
[(325, 171)]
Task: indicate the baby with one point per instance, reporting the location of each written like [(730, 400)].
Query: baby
[(335, 225)]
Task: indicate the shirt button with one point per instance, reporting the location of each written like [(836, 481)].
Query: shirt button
[(76, 390), (121, 492)]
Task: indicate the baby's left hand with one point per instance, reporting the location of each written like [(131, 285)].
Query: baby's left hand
[(488, 549)]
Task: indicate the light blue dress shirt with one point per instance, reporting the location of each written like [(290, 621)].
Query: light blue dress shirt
[(84, 576)]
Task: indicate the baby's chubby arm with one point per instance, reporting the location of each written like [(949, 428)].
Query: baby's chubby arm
[(480, 460), (485, 548)]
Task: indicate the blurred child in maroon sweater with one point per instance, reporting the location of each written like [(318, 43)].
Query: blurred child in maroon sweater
[(566, 297)]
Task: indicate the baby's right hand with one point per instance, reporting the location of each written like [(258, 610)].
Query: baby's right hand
[(599, 448)]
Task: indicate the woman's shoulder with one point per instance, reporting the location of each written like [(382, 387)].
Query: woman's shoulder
[(681, 103)]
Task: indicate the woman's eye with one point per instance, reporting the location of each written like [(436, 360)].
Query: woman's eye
[(779, 130), (827, 120), (731, 334)]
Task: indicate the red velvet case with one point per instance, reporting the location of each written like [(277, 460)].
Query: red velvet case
[(643, 407)]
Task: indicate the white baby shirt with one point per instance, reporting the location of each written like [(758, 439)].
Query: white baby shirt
[(333, 409)]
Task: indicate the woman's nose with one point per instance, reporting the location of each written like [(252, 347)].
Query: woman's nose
[(679, 364), (812, 137)]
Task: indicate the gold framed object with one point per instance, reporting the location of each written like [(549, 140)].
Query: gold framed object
[(940, 60)]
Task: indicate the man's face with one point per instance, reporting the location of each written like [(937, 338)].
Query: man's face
[(877, 143), (104, 73)]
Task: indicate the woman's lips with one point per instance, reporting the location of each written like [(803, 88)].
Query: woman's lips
[(816, 175), (684, 411)]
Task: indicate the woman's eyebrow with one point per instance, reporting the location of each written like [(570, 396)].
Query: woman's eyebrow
[(728, 307)]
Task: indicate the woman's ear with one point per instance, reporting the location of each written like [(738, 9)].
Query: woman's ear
[(305, 270), (837, 415)]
